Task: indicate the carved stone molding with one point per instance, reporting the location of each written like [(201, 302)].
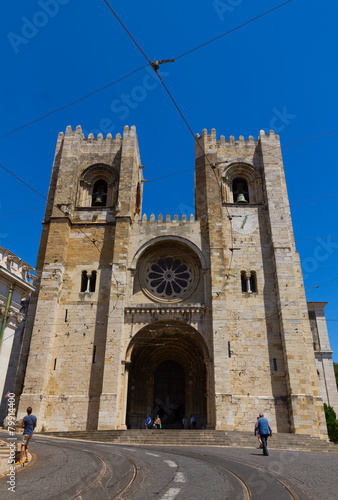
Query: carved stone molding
[(169, 310)]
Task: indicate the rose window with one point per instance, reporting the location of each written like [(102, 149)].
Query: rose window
[(169, 278)]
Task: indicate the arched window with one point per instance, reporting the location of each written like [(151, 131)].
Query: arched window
[(240, 187), (253, 281), (100, 190), (241, 180), (243, 281), (84, 281), (88, 281), (98, 187), (249, 281), (92, 281)]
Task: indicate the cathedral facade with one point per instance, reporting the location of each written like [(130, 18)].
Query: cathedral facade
[(202, 316)]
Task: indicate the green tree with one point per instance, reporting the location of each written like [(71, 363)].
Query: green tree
[(331, 422), (335, 366)]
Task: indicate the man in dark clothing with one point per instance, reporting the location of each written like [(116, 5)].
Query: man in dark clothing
[(264, 431), (28, 425)]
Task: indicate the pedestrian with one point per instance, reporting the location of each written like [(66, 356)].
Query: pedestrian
[(28, 425), (192, 422), (185, 422), (157, 422), (148, 422), (256, 433), (264, 431)]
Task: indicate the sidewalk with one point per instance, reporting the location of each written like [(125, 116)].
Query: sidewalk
[(4, 456)]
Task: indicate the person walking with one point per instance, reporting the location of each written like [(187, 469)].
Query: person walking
[(157, 422), (28, 425), (264, 431), (256, 433), (148, 422), (192, 422)]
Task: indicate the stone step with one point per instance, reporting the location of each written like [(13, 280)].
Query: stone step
[(182, 437)]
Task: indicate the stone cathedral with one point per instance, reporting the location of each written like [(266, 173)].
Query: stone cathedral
[(202, 315)]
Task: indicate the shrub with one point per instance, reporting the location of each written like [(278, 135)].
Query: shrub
[(331, 422)]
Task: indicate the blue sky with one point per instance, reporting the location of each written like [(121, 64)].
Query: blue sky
[(277, 72)]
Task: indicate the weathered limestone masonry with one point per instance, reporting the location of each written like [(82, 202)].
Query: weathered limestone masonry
[(63, 384), (175, 317), (268, 334)]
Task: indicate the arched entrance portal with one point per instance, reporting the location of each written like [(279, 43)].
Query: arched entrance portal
[(169, 393), (167, 375)]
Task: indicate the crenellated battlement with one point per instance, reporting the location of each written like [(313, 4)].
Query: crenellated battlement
[(211, 139), (166, 220), (127, 133)]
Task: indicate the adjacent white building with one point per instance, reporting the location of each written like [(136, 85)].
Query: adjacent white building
[(323, 354), (15, 286)]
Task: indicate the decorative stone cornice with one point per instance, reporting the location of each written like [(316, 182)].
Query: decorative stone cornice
[(13, 314), (19, 317), (166, 309)]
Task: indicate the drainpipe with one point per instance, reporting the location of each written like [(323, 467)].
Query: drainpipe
[(4, 319)]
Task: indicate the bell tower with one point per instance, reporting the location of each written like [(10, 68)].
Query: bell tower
[(263, 351), (95, 194)]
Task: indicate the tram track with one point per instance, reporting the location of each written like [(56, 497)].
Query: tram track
[(287, 488), (113, 474), (96, 482)]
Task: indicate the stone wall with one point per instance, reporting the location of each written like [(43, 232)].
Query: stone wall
[(240, 316)]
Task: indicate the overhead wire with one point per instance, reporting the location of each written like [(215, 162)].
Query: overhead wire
[(170, 95), (92, 240), (233, 29), (71, 103), (186, 123), (316, 239), (301, 297), (20, 211), (227, 276), (22, 181), (316, 199), (267, 150), (138, 69)]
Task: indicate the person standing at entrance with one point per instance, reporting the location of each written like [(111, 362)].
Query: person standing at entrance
[(157, 422), (192, 422), (148, 422), (28, 425), (265, 431)]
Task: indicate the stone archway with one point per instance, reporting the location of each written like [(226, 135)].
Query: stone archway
[(167, 375)]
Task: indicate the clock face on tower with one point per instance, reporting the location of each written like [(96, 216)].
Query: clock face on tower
[(244, 222)]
